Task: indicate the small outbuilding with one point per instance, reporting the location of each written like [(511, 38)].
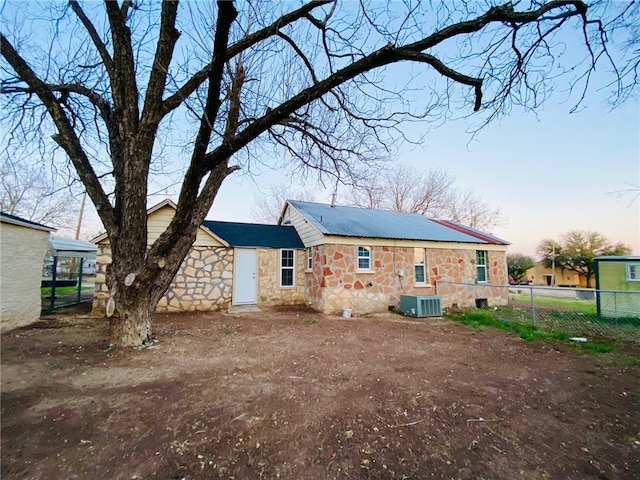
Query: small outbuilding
[(618, 286), (23, 246)]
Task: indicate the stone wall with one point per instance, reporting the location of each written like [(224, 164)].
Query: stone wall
[(22, 251), (335, 283), (270, 293), (204, 281), (463, 290)]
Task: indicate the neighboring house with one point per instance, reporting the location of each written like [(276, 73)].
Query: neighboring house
[(618, 286), (540, 274), (23, 246), (229, 264), (364, 259)]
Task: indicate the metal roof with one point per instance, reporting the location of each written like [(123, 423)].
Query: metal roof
[(68, 247), (613, 258), (369, 223), (255, 235), (472, 231)]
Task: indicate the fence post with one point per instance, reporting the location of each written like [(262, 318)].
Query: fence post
[(79, 297), (533, 309), (54, 276)]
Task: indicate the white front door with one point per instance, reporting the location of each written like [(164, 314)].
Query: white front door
[(244, 282)]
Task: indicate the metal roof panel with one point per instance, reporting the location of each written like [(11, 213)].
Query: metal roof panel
[(369, 223)]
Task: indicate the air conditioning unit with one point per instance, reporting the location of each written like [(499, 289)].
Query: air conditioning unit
[(421, 305)]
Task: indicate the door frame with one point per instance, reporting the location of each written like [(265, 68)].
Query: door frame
[(237, 281)]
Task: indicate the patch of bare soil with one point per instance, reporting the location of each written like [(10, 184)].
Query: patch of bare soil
[(294, 394)]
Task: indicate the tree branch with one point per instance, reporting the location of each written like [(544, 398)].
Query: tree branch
[(445, 71), (95, 38), (174, 101), (167, 38), (123, 85), (197, 168), (385, 56), (67, 137)]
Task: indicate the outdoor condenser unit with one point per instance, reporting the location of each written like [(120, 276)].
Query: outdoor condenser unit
[(421, 305)]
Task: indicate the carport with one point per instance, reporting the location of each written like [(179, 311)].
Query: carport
[(76, 250)]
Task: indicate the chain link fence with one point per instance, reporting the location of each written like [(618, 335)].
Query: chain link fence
[(577, 311)]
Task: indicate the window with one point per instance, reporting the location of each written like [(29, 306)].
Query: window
[(364, 258), (481, 265), (287, 270), (633, 272), (309, 258), (420, 264)]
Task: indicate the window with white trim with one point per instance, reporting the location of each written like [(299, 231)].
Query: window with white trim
[(420, 265), (364, 258), (481, 265), (287, 267), (309, 258), (633, 272)]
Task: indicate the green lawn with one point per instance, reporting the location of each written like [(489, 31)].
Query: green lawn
[(587, 307), (482, 319), (62, 290)]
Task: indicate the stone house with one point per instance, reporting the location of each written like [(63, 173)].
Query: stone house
[(23, 246), (229, 264), (365, 259), (329, 258)]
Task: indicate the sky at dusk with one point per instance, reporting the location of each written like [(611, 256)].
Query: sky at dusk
[(549, 173)]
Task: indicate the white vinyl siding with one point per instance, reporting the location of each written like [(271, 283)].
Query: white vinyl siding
[(308, 233)]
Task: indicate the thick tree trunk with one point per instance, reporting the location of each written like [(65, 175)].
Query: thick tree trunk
[(130, 310), (131, 327)]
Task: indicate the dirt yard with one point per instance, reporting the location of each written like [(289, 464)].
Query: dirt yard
[(293, 394)]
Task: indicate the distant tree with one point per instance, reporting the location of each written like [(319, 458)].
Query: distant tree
[(27, 192), (268, 206), (577, 250), (517, 266), (431, 193)]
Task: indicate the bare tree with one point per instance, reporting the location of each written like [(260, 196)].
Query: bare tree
[(268, 206), (430, 193), (129, 82), (31, 194)]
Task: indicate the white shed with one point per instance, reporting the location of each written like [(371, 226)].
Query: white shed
[(23, 246)]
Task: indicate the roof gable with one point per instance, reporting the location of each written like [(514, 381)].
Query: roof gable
[(21, 222), (255, 235), (159, 216), (370, 223)]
